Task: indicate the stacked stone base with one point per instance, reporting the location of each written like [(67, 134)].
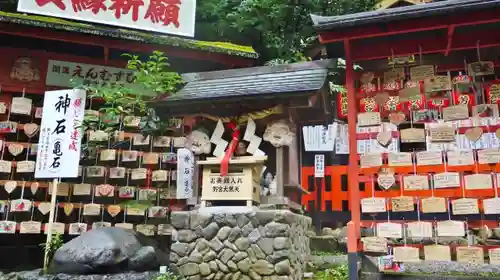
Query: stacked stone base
[(239, 243)]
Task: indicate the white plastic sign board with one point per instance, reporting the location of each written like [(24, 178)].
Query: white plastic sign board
[(319, 166)]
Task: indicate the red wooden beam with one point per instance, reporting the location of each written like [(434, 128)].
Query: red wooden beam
[(68, 37), (411, 25), (433, 44), (451, 31)]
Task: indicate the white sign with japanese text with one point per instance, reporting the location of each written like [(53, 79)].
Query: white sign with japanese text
[(319, 166), (185, 171), (166, 16), (58, 153)]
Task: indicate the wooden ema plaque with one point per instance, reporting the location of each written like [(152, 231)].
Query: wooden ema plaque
[(494, 255), (437, 83), (374, 244), (478, 181), (412, 135), (419, 229), (369, 119), (399, 159), (457, 112), (402, 204), (389, 230), (460, 158), (420, 73), (451, 229), (429, 158), (373, 205), (465, 206), (437, 253), (488, 156), (370, 160), (491, 206), (241, 183), (415, 182), (470, 255), (442, 134), (406, 254), (446, 180)]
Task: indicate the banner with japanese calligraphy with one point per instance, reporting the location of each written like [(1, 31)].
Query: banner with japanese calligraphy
[(58, 153), (175, 17), (185, 171)]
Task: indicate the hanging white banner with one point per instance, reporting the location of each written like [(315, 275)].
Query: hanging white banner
[(58, 153), (185, 171)]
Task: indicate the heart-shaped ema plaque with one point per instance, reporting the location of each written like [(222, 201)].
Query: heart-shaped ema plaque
[(105, 190), (10, 186), (31, 129), (34, 187), (381, 98), (473, 134), (44, 207), (386, 180), (384, 138), (397, 118), (68, 208), (113, 210), (15, 149)]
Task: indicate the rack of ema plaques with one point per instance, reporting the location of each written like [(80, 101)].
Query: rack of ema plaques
[(241, 183)]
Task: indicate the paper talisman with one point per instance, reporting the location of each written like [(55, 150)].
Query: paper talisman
[(34, 187), (8, 227), (474, 134), (56, 228), (429, 158), (20, 205), (77, 228), (157, 212), (389, 230), (114, 210), (15, 149), (370, 160), (371, 244), (10, 186), (148, 230), (159, 176), (95, 171), (460, 158), (373, 205), (101, 225), (30, 227), (117, 172), (419, 229), (406, 254), (150, 158), (386, 180), (384, 138), (129, 156), (412, 135), (416, 182), (420, 73), (491, 206), (105, 190), (434, 205), (91, 209), (25, 166), (139, 174), (44, 207), (369, 119), (450, 229), (488, 156), (465, 206), (161, 142), (470, 254), (446, 180), (68, 208), (457, 112), (126, 192), (402, 204), (5, 166), (62, 189), (124, 225), (21, 106), (135, 210), (31, 129), (140, 140), (478, 181), (442, 134), (400, 159), (397, 118), (437, 253), (98, 136), (82, 189), (494, 255), (108, 155)]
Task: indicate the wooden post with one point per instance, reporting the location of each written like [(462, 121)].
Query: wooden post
[(279, 173), (48, 230)]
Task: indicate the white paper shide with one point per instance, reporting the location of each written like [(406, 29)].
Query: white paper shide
[(185, 171), (60, 136)]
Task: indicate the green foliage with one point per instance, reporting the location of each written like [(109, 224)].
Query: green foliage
[(277, 29), (336, 273), (50, 248), (168, 276), (152, 79)]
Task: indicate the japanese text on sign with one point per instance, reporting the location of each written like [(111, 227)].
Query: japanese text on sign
[(229, 183), (164, 16), (58, 151), (185, 172)]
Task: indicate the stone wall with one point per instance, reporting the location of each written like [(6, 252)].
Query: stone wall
[(239, 243)]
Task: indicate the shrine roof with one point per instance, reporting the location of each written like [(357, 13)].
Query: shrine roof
[(255, 82), (325, 23), (131, 35)]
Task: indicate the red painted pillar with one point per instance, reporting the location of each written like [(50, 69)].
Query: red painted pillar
[(353, 169)]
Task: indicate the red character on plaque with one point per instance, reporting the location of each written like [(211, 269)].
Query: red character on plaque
[(467, 99), (493, 92), (392, 104), (59, 3), (368, 104), (123, 7), (93, 5), (164, 11), (342, 105)]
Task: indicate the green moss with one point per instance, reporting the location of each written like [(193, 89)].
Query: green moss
[(66, 25)]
